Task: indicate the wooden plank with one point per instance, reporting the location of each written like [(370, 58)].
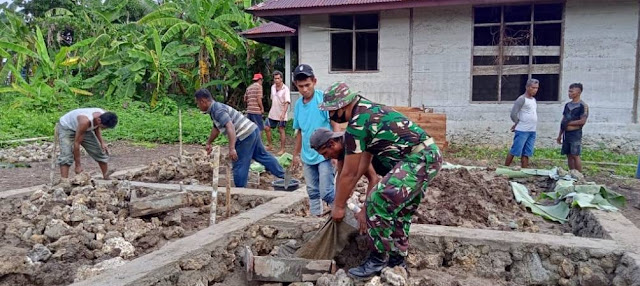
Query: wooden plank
[(158, 204), (435, 124), (517, 69), (517, 51)]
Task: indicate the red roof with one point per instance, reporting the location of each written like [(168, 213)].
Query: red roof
[(293, 4), (269, 28), (298, 7)]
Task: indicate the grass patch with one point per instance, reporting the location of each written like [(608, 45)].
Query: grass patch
[(136, 123), (148, 145), (594, 161)]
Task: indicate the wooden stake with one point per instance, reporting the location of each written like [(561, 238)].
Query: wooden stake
[(215, 168), (180, 127), (228, 191), (53, 154)]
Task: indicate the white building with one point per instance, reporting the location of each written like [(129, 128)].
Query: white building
[(471, 59)]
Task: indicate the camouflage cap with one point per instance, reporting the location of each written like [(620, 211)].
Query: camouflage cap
[(337, 96)]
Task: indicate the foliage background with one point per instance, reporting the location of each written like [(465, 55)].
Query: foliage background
[(139, 58)]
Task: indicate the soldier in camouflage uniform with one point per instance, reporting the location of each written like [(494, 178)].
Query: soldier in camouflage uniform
[(401, 152)]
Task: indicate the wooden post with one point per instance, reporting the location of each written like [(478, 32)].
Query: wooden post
[(228, 191), (215, 168), (53, 154), (180, 127)]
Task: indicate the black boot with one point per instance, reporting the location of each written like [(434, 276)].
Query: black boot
[(397, 260), (370, 267)]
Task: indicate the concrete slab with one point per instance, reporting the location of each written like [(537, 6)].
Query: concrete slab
[(200, 188), (506, 238), (619, 229), (150, 268)]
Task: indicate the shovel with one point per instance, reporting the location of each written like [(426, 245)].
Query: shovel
[(287, 178)]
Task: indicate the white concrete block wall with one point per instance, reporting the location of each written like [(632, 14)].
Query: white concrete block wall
[(600, 41), (389, 84)]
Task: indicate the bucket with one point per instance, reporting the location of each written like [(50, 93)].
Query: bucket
[(279, 185)]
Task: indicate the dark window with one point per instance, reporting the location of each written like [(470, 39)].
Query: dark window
[(547, 34), (512, 44), (513, 86), (485, 88), (341, 47), (486, 36), (549, 86), (484, 15), (546, 60), (517, 13), (361, 55), (366, 51), (341, 22), (547, 12)]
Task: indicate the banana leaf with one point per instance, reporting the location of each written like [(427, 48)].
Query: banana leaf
[(558, 212)]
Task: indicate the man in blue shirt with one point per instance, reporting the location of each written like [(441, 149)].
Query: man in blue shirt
[(307, 117), (244, 138)]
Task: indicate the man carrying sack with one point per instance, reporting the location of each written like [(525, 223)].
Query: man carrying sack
[(400, 151)]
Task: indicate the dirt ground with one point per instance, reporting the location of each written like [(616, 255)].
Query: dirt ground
[(123, 155)]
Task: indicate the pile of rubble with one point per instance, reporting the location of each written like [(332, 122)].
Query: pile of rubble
[(196, 169), (34, 152), (76, 230), (478, 199)]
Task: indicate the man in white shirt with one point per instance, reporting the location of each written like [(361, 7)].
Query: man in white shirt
[(82, 127), (525, 118), (280, 101)]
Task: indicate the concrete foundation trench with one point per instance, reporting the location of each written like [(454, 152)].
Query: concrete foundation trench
[(468, 231)]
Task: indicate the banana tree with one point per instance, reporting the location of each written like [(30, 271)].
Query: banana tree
[(164, 63), (204, 21)]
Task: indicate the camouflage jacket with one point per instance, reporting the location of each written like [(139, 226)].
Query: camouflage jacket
[(383, 132)]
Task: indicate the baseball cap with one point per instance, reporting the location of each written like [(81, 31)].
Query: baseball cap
[(321, 136), (303, 69), (257, 76)]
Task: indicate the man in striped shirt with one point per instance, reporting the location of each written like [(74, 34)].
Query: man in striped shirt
[(253, 99), (244, 138)]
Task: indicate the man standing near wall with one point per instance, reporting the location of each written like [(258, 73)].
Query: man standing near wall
[(253, 99), (574, 117), (307, 117), (280, 100), (525, 118), (399, 150), (244, 138)]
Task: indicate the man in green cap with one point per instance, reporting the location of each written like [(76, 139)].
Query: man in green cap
[(400, 151)]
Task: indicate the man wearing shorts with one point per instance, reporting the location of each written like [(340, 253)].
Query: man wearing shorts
[(525, 118), (82, 127), (574, 117), (253, 99), (280, 100)]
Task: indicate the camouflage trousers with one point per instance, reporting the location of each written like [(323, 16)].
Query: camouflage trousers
[(396, 197)]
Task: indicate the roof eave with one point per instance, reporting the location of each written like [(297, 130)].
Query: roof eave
[(375, 7)]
